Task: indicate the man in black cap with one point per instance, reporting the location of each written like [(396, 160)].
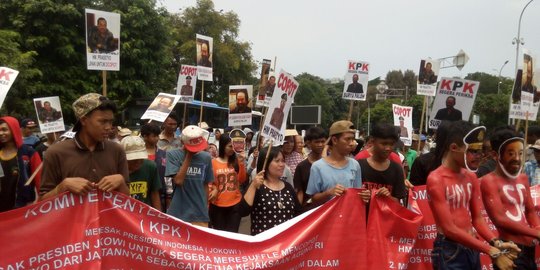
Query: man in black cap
[(187, 89), (277, 115)]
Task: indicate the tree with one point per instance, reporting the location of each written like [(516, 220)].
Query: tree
[(232, 60), (53, 33)]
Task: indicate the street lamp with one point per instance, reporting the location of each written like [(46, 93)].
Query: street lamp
[(499, 84), (518, 40)]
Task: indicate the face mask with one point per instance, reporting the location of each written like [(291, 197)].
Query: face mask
[(474, 132), (499, 152)]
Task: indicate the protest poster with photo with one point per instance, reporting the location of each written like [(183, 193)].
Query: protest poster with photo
[(403, 120), (525, 95), (49, 114), (7, 77), (238, 139), (205, 52), (102, 40), (356, 80), (275, 121), (264, 86), (161, 107), (240, 105), (187, 83), (426, 84), (454, 101)]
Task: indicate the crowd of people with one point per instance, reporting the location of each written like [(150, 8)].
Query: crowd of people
[(214, 184)]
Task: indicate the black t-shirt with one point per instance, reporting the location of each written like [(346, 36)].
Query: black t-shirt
[(301, 176), (392, 178), (8, 184), (422, 166)]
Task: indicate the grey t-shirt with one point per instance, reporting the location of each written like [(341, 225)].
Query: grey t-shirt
[(324, 176), (189, 202)]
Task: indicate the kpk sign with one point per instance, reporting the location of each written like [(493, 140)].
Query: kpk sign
[(356, 80), (7, 77), (454, 101), (283, 96)]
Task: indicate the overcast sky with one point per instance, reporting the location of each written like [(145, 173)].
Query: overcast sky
[(319, 36)]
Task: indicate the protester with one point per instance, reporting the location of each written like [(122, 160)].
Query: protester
[(532, 170), (315, 139), (533, 134), (191, 169), (144, 183), (507, 198), (88, 161), (18, 161), (269, 200), (168, 139), (379, 174), (299, 145), (455, 202), (249, 138), (331, 175), (292, 157), (150, 134), (43, 146), (212, 149), (488, 163), (230, 173), (28, 127)]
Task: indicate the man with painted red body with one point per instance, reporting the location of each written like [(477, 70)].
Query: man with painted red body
[(455, 200), (507, 197)]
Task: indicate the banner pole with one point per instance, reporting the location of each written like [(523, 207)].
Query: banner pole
[(526, 134), (202, 101), (268, 153), (422, 121), (351, 105), (184, 118), (104, 78)]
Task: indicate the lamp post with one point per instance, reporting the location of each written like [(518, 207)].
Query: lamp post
[(518, 40), (499, 84)]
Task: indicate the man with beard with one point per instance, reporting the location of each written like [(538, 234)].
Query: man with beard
[(100, 39), (449, 113), (242, 100), (507, 198), (455, 201), (163, 106), (379, 174), (205, 54)]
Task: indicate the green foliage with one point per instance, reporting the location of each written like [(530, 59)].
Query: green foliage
[(50, 37)]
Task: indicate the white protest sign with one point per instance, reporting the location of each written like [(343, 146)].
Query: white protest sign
[(49, 114), (187, 83), (240, 105), (265, 85), (7, 77), (161, 107), (426, 84), (205, 52), (454, 101), (403, 120), (525, 95), (102, 40), (275, 121), (356, 80)]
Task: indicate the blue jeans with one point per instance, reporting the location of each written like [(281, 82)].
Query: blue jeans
[(525, 259), (447, 255)]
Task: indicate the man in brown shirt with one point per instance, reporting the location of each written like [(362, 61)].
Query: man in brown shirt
[(88, 161)]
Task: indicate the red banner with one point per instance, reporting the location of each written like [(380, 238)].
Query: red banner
[(392, 233), (111, 230)]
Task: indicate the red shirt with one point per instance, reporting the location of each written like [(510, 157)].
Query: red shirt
[(365, 154)]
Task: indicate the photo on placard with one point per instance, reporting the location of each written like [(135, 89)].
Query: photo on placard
[(429, 71), (186, 85), (265, 72), (49, 114), (102, 40), (240, 105), (204, 51), (161, 107)]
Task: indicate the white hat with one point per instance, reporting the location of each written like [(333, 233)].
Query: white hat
[(124, 132), (194, 138), (134, 147)]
